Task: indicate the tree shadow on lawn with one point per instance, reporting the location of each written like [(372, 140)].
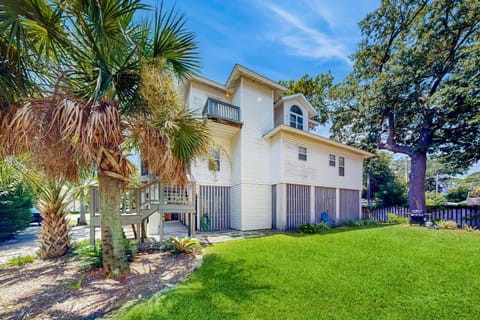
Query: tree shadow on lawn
[(216, 291), (335, 230)]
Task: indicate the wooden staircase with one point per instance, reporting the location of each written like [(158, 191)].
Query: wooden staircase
[(137, 204)]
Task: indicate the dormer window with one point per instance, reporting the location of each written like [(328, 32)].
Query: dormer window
[(296, 117)]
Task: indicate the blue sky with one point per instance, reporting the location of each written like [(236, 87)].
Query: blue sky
[(280, 39)]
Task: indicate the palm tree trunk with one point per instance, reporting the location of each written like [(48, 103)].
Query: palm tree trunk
[(114, 256), (83, 219)]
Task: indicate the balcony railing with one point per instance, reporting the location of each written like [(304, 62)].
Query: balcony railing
[(222, 110)]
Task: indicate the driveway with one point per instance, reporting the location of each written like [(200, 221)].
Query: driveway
[(26, 242)]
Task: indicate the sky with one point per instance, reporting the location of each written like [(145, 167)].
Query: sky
[(279, 39)]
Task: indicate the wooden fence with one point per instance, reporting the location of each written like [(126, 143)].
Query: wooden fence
[(461, 215)]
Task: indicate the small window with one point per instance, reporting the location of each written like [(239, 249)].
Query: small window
[(341, 166), (331, 160), (214, 160), (296, 117), (302, 153)]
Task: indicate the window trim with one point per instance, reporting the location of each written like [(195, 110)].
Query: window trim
[(298, 118), (341, 166), (214, 159), (302, 154), (332, 160)]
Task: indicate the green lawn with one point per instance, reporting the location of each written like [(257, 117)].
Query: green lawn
[(394, 272)]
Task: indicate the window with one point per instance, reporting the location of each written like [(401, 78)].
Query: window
[(296, 117), (214, 160), (302, 153), (341, 166), (331, 160)]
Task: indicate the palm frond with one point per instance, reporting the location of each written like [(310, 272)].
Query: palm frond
[(173, 42)]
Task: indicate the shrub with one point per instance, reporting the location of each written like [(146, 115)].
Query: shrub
[(313, 228), (92, 257), (306, 228), (20, 260), (353, 223), (16, 200), (184, 245), (393, 218), (448, 224)]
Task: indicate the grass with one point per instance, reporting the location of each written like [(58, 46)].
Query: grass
[(20, 260), (394, 272)]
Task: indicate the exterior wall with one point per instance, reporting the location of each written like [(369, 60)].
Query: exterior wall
[(236, 221), (316, 170), (255, 152), (256, 206), (279, 116), (202, 175), (276, 165)]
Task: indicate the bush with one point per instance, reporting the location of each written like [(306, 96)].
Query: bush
[(184, 245), (361, 223), (92, 257), (448, 224), (20, 260), (313, 228), (393, 218), (16, 199)]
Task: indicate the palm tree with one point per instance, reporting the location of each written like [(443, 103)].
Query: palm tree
[(98, 103)]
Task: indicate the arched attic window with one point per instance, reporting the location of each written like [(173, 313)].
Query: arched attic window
[(296, 117)]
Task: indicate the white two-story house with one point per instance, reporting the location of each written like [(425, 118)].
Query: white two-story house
[(268, 169)]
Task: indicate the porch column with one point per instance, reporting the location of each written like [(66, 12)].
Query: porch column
[(160, 226), (281, 206), (337, 205), (312, 204), (360, 204)]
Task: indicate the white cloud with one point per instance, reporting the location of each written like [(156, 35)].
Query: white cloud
[(304, 40)]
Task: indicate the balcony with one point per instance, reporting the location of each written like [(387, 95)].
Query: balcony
[(222, 112)]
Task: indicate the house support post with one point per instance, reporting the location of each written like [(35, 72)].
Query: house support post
[(312, 204), (281, 206), (337, 206), (360, 214), (191, 224), (161, 224)]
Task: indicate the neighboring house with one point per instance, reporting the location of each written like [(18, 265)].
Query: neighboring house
[(269, 170)]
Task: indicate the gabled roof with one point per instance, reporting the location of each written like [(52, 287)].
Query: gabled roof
[(305, 102), (208, 82), (239, 71), (317, 138)]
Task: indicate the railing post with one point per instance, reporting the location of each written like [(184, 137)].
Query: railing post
[(138, 200)]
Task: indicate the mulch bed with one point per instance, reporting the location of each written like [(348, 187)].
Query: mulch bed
[(57, 289)]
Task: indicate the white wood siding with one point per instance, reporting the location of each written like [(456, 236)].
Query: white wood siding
[(202, 175), (316, 170), (257, 112), (236, 196), (256, 206)]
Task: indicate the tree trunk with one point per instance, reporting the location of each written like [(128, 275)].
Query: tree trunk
[(113, 248), (416, 192), (83, 219)]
